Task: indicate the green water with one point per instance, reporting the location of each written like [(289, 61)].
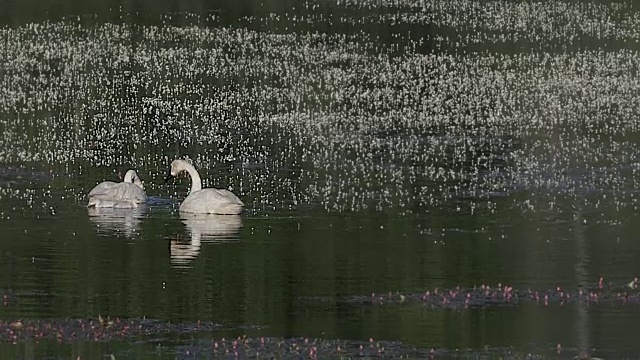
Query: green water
[(379, 148)]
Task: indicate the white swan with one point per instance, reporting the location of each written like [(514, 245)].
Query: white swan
[(204, 201), (126, 194)]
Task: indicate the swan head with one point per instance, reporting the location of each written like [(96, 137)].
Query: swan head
[(177, 166), (132, 177)]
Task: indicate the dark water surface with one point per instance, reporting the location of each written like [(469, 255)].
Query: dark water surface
[(421, 178)]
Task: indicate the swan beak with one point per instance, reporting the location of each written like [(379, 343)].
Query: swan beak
[(169, 177)]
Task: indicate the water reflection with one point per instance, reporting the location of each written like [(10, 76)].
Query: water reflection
[(119, 221), (582, 323), (203, 228)]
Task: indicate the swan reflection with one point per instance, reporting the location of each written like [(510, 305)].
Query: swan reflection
[(207, 228), (125, 221)]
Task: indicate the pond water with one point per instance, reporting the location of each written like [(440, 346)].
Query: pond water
[(420, 178)]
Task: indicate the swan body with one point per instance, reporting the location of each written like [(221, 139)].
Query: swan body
[(126, 194), (204, 201)]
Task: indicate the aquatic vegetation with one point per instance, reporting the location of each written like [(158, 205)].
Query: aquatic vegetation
[(311, 348), (345, 120), (75, 330), (208, 345), (484, 296)]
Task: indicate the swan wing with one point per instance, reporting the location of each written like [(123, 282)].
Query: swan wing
[(212, 201), (112, 194)]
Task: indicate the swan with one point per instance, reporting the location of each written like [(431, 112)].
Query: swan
[(126, 194), (204, 201)]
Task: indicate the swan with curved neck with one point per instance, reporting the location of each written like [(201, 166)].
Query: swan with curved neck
[(204, 201), (126, 194)]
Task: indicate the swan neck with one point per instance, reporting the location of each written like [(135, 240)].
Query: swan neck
[(128, 177), (196, 182)]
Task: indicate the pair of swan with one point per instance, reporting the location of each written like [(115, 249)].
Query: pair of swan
[(130, 193)]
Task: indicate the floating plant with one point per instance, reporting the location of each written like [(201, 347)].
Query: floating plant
[(296, 112)]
